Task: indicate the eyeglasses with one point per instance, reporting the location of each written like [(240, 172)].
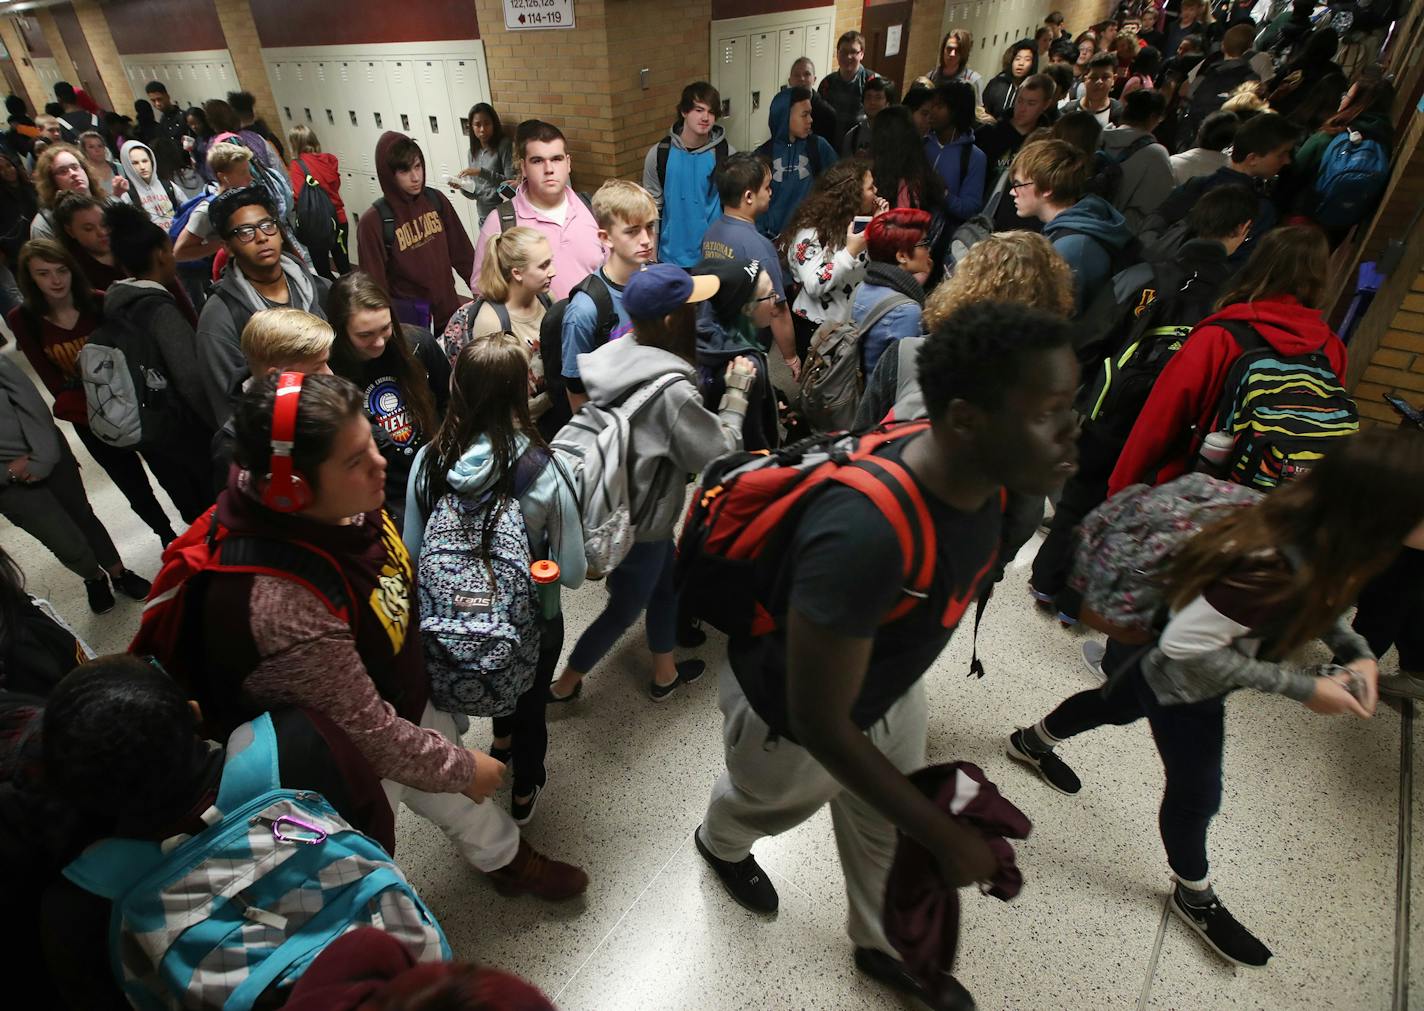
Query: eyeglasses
[(1015, 186), (765, 298), (923, 244), (246, 233)]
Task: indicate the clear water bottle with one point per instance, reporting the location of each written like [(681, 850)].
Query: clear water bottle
[(1215, 453)]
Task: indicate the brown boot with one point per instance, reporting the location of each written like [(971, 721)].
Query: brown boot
[(532, 873)]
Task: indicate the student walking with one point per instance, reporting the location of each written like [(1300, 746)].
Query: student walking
[(309, 160)]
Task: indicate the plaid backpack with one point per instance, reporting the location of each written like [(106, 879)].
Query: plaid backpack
[(1124, 544), (215, 919), (1284, 411)]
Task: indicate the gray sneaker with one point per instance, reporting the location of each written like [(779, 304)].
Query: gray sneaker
[(1093, 653), (1403, 686)]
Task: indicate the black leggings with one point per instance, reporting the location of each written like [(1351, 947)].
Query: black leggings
[(1391, 611), (526, 726), (1084, 492), (125, 469), (1189, 739), (185, 472)]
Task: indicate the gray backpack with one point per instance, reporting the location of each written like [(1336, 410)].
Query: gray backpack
[(832, 381), (595, 448), (125, 389)]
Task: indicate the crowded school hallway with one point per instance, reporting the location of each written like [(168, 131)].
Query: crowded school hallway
[(886, 506)]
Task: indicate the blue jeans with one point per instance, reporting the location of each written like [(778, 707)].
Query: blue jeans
[(642, 582)]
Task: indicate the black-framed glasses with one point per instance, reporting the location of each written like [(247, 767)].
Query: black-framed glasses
[(1016, 186), (765, 298), (246, 233)]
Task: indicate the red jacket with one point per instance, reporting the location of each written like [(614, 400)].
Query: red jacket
[(1185, 397), (326, 172)]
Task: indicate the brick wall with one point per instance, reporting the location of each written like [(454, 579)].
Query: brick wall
[(922, 52), (1397, 366), (106, 55), (45, 19), (19, 56), (246, 52)]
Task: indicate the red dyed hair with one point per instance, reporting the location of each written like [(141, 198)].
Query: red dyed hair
[(898, 230)]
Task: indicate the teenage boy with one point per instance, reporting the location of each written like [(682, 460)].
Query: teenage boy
[(1261, 149), (244, 103), (258, 276), (1209, 86), (823, 116), (170, 116), (1049, 182), (542, 203), (1146, 166), (231, 166), (845, 89), (627, 226), (411, 241), (744, 186), (796, 156), (830, 708), (1097, 92), (879, 93), (678, 172), (75, 115), (1001, 140)]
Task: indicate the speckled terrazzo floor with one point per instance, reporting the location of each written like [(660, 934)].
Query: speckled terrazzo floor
[(1304, 851)]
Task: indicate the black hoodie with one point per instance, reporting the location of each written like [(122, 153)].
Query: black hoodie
[(1000, 92)]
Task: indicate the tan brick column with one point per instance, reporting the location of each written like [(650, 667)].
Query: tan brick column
[(926, 18), (240, 32), (56, 46), (106, 55), (20, 57), (848, 18)]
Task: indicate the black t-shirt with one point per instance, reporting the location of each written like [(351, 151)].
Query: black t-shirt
[(846, 573), (398, 434), (1000, 142)]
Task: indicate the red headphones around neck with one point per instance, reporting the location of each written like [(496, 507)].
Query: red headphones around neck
[(285, 490)]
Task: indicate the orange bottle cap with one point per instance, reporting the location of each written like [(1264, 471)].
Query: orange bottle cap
[(544, 571)]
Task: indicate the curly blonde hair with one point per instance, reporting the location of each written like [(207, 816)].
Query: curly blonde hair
[(44, 178), (1005, 267)]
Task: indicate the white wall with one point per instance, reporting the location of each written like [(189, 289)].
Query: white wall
[(996, 24), (350, 95), (192, 77), (751, 59)]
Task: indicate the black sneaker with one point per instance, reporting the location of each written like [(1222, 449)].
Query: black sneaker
[(744, 880), (132, 585), (891, 971), (101, 598), (521, 813), (688, 671), (1221, 931), (505, 755), (690, 635), (1050, 768)]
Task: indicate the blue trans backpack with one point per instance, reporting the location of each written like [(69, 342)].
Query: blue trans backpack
[(1353, 174), (215, 919), (479, 618), (181, 216)]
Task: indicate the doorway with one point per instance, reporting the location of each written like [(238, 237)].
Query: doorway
[(881, 23)]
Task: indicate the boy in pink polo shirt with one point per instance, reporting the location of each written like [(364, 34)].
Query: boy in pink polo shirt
[(543, 202)]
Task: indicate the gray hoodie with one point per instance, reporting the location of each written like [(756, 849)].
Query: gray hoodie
[(227, 311), (26, 428), (148, 306), (1146, 176), (673, 436)]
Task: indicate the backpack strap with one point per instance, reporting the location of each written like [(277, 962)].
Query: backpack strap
[(501, 312), (596, 288), (883, 308), (382, 207), (250, 768), (295, 561), (966, 151), (1140, 144), (507, 218), (1246, 335), (664, 153), (896, 495)]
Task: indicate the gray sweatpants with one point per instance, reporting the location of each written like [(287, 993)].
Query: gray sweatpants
[(765, 793)]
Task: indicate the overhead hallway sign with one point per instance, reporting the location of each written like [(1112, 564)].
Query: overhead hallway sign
[(523, 15)]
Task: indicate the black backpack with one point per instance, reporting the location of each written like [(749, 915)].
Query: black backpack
[(382, 206), (551, 346), (1107, 172), (665, 151), (1214, 86), (316, 214)]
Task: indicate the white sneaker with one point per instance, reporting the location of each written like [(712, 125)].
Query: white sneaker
[(1093, 653), (1402, 685)]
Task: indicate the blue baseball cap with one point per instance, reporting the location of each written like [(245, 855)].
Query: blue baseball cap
[(659, 288)]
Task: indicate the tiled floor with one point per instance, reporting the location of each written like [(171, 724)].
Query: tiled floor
[(1304, 851)]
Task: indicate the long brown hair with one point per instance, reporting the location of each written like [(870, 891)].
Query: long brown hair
[(33, 301), (353, 293), (44, 164), (676, 332), (830, 205), (1291, 260), (1347, 519), (1371, 94)]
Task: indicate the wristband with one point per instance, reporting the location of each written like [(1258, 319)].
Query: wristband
[(741, 381)]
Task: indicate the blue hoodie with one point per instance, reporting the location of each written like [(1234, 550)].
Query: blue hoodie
[(964, 196), (687, 198), (791, 177), (1099, 232)]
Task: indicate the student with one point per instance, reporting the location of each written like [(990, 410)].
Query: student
[(1001, 141), (901, 163), (1193, 19), (1049, 179), (954, 50), (226, 124), (245, 105), (860, 139), (674, 431), (845, 89), (18, 205), (796, 155), (258, 276), (74, 115), (1146, 170), (51, 326), (60, 169), (309, 159), (999, 382), (400, 369), (1212, 85), (1364, 109), (43, 495), (727, 327), (1055, 23), (1261, 149), (825, 251), (1246, 593), (427, 244), (950, 148), (1278, 292), (150, 775), (231, 166), (1146, 65), (1216, 134), (486, 441), (492, 163), (202, 132), (1020, 63), (273, 341), (679, 174), (79, 227), (1307, 89), (145, 301), (627, 226), (823, 115), (897, 242), (101, 165), (1179, 292), (744, 188), (169, 114), (516, 276), (543, 202), (1149, 29), (917, 103), (1097, 92), (282, 646), (147, 190)]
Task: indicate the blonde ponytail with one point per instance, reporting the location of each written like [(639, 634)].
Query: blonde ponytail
[(505, 253)]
